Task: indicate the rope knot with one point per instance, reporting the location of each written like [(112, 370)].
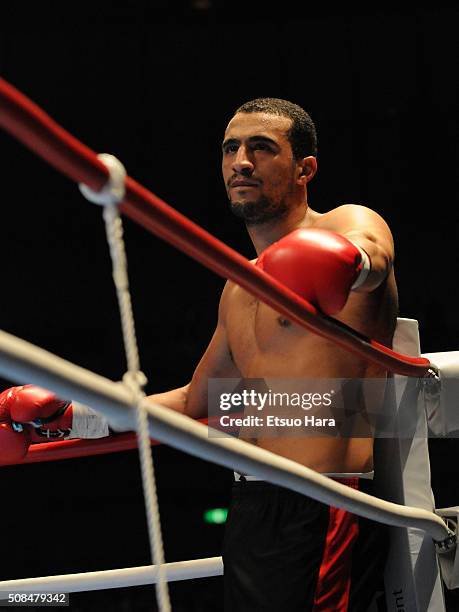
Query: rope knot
[(113, 192), (135, 381)]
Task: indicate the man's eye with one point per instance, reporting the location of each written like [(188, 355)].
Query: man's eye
[(261, 146), (230, 148)]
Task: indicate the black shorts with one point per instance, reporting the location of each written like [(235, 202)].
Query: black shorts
[(284, 552)]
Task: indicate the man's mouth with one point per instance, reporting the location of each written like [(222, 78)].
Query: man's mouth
[(243, 183)]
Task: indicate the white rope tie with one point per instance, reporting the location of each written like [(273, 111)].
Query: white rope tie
[(134, 379)]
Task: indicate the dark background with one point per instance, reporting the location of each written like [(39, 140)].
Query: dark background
[(155, 84)]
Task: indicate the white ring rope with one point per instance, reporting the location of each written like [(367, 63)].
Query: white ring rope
[(116, 579), (110, 196), (20, 360)]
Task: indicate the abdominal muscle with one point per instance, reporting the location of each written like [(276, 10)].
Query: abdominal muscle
[(312, 448), (324, 455)]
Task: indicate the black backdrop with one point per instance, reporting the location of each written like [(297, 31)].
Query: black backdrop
[(155, 84)]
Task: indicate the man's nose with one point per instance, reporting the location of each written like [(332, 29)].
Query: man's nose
[(242, 164)]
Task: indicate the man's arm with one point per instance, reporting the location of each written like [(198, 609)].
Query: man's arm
[(370, 232), (347, 249), (175, 398), (215, 363)]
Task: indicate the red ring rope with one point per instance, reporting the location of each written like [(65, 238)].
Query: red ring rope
[(36, 130), (73, 449)]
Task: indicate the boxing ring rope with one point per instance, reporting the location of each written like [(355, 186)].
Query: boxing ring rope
[(119, 578), (76, 448), (35, 129), (20, 360)]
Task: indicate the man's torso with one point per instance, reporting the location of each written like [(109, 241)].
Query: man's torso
[(264, 344)]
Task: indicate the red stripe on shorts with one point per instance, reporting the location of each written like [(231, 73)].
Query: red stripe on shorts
[(333, 584)]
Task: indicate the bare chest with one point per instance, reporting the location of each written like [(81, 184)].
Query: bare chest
[(262, 342)]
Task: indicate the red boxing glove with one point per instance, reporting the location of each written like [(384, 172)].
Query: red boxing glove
[(13, 444), (321, 266), (39, 412)]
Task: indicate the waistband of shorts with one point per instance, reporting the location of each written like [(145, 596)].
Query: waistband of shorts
[(347, 478)]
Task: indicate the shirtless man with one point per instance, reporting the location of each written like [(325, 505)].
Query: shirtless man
[(283, 550), (269, 157)]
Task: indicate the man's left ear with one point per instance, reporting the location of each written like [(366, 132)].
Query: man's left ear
[(309, 168)]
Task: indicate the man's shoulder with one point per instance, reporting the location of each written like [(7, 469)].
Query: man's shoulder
[(345, 210), (231, 290), (233, 297), (226, 298), (347, 215)]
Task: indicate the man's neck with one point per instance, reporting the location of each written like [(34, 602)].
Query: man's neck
[(265, 234)]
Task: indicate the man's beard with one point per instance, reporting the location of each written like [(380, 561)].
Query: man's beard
[(259, 212)]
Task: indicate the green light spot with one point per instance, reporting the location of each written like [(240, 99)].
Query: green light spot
[(215, 516)]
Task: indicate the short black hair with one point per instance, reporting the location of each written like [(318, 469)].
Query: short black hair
[(302, 134)]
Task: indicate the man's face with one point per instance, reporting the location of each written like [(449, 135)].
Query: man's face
[(258, 167)]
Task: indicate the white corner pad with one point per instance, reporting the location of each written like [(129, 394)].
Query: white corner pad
[(442, 396)]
